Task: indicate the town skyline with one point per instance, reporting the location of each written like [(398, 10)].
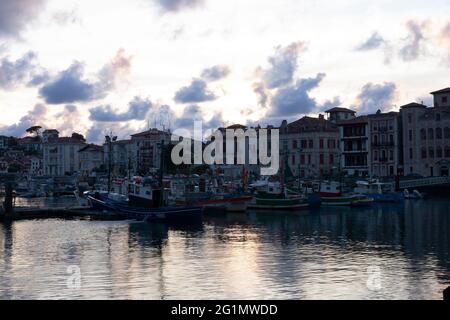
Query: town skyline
[(207, 61)]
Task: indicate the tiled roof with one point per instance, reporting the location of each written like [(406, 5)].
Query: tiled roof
[(340, 110), (413, 105), (446, 90), (92, 147)]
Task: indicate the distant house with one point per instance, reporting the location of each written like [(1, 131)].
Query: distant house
[(31, 144), (4, 166), (61, 156), (91, 158)]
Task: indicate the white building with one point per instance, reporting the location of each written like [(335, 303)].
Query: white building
[(36, 167), (61, 156)]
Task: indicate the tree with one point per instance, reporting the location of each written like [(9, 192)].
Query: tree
[(78, 136), (34, 129)]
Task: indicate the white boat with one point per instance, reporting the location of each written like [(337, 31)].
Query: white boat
[(415, 195), (380, 192)]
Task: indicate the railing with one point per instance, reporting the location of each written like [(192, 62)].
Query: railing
[(431, 181)]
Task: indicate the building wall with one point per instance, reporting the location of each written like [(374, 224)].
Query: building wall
[(385, 159), (442, 99), (311, 154), (426, 135), (355, 149), (61, 158)]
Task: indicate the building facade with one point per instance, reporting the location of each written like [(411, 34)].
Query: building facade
[(61, 156), (426, 139), (386, 151), (310, 147), (355, 146), (91, 158), (146, 150), (122, 157)]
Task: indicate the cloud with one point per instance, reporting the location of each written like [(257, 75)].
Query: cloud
[(295, 99), (16, 14), (216, 73), (138, 109), (196, 92), (68, 120), (283, 65), (375, 97), (36, 116), (194, 113), (375, 41), (444, 39), (262, 93), (70, 86), (97, 132), (413, 47), (179, 5), (13, 73)]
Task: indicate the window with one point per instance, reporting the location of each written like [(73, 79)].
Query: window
[(447, 133), (391, 155), (411, 153), (438, 117), (302, 159), (322, 161), (410, 135), (439, 152), (331, 159), (304, 144), (444, 99), (375, 139), (409, 118), (447, 152), (431, 134), (431, 152), (391, 139), (311, 144), (424, 153), (423, 134), (309, 159), (321, 145), (294, 144), (438, 133)]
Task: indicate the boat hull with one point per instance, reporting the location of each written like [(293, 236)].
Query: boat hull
[(172, 214)]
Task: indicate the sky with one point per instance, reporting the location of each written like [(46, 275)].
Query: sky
[(101, 66)]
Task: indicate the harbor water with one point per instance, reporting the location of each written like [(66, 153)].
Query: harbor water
[(383, 252)]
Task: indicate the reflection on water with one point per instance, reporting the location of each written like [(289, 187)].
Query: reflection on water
[(327, 254)]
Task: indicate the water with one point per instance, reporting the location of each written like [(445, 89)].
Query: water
[(384, 252)]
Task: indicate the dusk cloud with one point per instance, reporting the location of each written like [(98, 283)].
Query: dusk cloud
[(375, 41), (196, 92), (194, 113), (35, 116), (15, 14), (375, 97), (413, 47), (295, 99), (283, 65), (216, 73), (71, 86), (179, 5), (13, 73), (138, 109)]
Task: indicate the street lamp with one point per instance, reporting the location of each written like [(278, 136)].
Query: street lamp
[(109, 140)]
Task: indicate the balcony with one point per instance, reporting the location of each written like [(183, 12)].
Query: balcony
[(383, 144)]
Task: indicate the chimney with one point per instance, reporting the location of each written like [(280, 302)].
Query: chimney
[(321, 117)]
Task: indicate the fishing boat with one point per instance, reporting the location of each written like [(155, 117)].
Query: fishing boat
[(106, 203), (331, 194), (262, 203), (379, 192), (217, 202)]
